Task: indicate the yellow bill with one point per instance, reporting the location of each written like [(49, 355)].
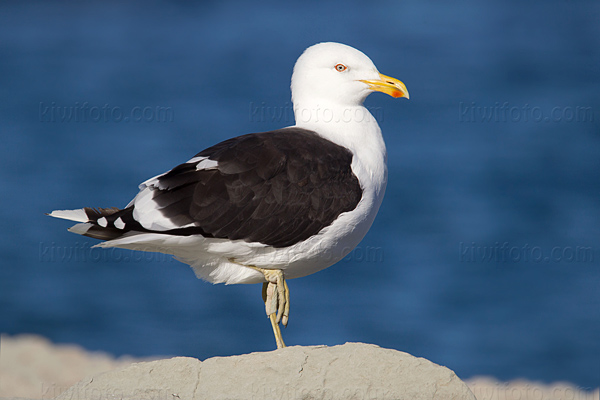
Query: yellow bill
[(388, 85)]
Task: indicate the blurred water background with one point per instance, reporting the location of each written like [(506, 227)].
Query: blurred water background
[(485, 254)]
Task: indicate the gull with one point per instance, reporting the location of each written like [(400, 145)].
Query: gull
[(271, 206)]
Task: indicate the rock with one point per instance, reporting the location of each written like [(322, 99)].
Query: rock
[(520, 389), (349, 371), (33, 367)]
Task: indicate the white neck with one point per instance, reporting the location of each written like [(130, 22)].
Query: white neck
[(354, 128)]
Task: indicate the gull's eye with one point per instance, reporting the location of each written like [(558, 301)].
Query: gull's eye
[(340, 67)]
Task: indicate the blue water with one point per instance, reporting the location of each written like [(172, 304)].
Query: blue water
[(484, 257)]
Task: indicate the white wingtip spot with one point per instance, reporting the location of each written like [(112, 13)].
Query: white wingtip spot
[(119, 224), (102, 222), (72, 215)]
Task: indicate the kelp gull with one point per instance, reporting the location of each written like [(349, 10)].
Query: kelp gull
[(270, 206)]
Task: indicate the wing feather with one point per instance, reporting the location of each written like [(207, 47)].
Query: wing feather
[(276, 188)]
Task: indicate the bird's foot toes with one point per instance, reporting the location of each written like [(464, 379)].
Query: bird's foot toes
[(277, 296)]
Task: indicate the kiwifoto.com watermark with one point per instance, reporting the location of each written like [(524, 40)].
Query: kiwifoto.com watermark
[(507, 112), (50, 252), (505, 252), (527, 391), (262, 112), (85, 252), (86, 112), (114, 392)]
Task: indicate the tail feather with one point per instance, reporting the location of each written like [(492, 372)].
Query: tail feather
[(97, 223), (96, 232), (72, 215)]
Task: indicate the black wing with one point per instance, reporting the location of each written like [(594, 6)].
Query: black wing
[(277, 188)]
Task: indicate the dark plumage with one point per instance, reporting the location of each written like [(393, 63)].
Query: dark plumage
[(277, 188)]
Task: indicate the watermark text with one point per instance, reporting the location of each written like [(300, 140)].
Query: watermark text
[(86, 112), (507, 253), (262, 112), (507, 112), (85, 252)]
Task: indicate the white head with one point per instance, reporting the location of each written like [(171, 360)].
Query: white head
[(334, 73)]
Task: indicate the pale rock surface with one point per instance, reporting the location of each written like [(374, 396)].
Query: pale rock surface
[(349, 371), (486, 388), (33, 367)]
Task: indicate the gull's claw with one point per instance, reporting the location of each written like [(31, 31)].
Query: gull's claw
[(276, 295), (286, 311)]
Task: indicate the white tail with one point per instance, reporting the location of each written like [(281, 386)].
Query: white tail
[(72, 215)]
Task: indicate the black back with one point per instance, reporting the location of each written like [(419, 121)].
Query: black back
[(276, 188)]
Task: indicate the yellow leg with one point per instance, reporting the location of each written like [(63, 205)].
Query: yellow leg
[(273, 317), (276, 295)]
